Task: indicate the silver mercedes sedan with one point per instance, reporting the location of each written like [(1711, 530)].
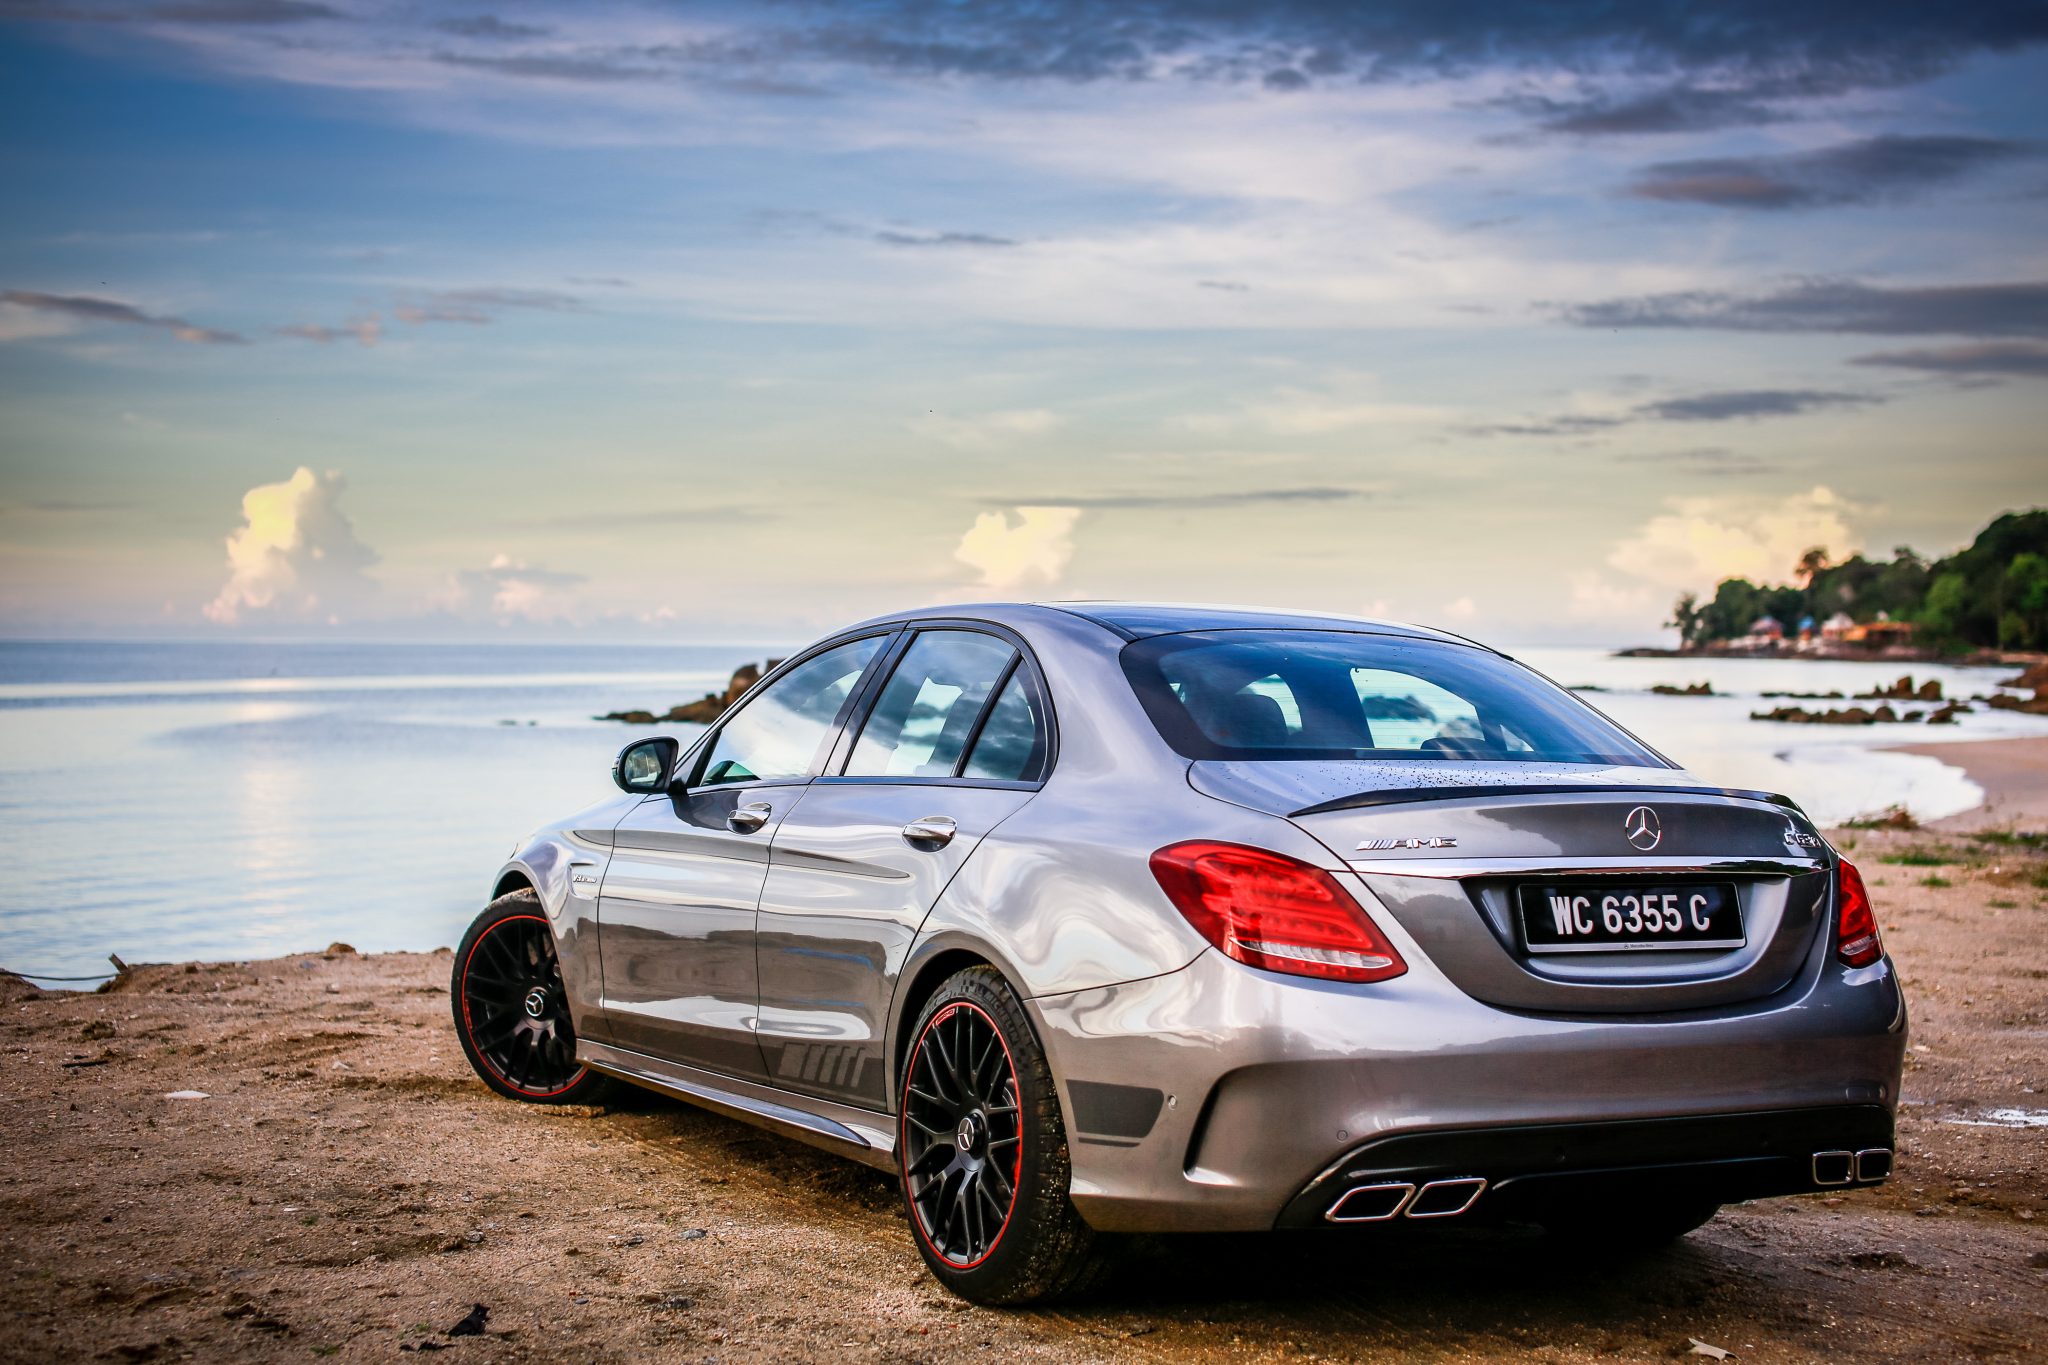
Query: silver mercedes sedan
[(1098, 918)]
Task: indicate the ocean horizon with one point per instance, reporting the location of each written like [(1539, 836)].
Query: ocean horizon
[(232, 800)]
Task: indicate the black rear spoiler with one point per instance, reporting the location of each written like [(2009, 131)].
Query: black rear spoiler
[(1401, 796)]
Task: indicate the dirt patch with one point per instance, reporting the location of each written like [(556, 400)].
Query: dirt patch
[(346, 1190)]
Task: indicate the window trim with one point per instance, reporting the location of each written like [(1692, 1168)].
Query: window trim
[(871, 691), (699, 755)]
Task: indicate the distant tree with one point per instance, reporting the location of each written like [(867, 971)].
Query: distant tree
[(1947, 608), (1810, 565), (1992, 593), (1685, 618), (2023, 597)]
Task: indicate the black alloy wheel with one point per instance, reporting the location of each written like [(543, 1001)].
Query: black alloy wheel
[(983, 1150), (963, 1151), (511, 1011)]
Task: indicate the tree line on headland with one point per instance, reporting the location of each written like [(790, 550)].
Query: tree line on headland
[(1992, 595)]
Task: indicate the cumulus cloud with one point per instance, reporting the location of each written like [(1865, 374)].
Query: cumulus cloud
[(1696, 542), (1036, 549), (509, 590), (296, 555), (1595, 597)]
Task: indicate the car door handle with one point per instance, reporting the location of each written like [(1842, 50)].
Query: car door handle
[(934, 831), (749, 817)]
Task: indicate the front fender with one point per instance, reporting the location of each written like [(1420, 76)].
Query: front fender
[(565, 867)]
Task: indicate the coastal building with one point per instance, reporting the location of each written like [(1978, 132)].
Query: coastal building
[(1880, 635), (1765, 634)]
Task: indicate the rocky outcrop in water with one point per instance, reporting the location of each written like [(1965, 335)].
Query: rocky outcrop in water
[(1903, 690), (706, 708)]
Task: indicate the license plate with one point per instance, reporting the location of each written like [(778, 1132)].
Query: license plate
[(1605, 917)]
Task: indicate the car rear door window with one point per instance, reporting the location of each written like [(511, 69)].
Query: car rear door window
[(928, 709), (1014, 740), (776, 735)]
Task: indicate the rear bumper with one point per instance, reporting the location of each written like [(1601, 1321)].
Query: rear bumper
[(1220, 1098), (1531, 1170)]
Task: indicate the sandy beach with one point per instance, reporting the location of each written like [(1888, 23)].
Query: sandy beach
[(346, 1189), (2012, 772)]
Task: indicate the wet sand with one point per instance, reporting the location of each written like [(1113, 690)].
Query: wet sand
[(2013, 774)]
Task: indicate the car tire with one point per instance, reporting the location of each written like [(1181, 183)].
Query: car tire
[(1639, 1227), (511, 1013), (982, 1151)]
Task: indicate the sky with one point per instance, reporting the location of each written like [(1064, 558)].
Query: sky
[(705, 322)]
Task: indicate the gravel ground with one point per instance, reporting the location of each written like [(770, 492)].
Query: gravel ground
[(346, 1190)]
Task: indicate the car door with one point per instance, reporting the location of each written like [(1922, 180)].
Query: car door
[(955, 742), (676, 913)]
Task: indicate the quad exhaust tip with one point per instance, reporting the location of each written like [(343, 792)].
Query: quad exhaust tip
[(1379, 1203), (1843, 1168)]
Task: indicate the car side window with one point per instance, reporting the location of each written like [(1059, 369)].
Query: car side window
[(927, 710), (1014, 739), (777, 734)]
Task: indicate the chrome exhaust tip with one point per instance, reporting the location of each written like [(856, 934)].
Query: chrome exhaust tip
[(1874, 1163), (1446, 1198), (1834, 1168), (1370, 1203)]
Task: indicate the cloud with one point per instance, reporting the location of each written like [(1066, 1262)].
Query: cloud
[(1696, 542), (89, 309), (1680, 108), (1720, 406), (2001, 359), (894, 237), (296, 556), (1699, 460), (1305, 412), (1985, 310), (234, 12), (1224, 286), (363, 331), (1034, 550), (1595, 597), (1749, 403), (509, 590), (489, 26), (986, 429), (1097, 501), (1861, 172), (479, 306)]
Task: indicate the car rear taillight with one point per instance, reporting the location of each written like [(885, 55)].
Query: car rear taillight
[(1268, 910), (1856, 940)]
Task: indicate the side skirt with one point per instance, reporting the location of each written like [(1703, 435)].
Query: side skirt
[(865, 1136)]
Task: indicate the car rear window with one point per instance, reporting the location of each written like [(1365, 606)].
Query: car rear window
[(1322, 694)]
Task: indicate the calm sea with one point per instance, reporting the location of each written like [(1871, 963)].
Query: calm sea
[(178, 801)]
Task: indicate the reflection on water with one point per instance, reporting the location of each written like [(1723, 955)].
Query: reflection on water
[(242, 800), (212, 819)]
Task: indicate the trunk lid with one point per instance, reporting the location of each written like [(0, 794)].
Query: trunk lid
[(1448, 849)]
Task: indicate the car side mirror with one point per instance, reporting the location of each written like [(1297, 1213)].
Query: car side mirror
[(643, 766)]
